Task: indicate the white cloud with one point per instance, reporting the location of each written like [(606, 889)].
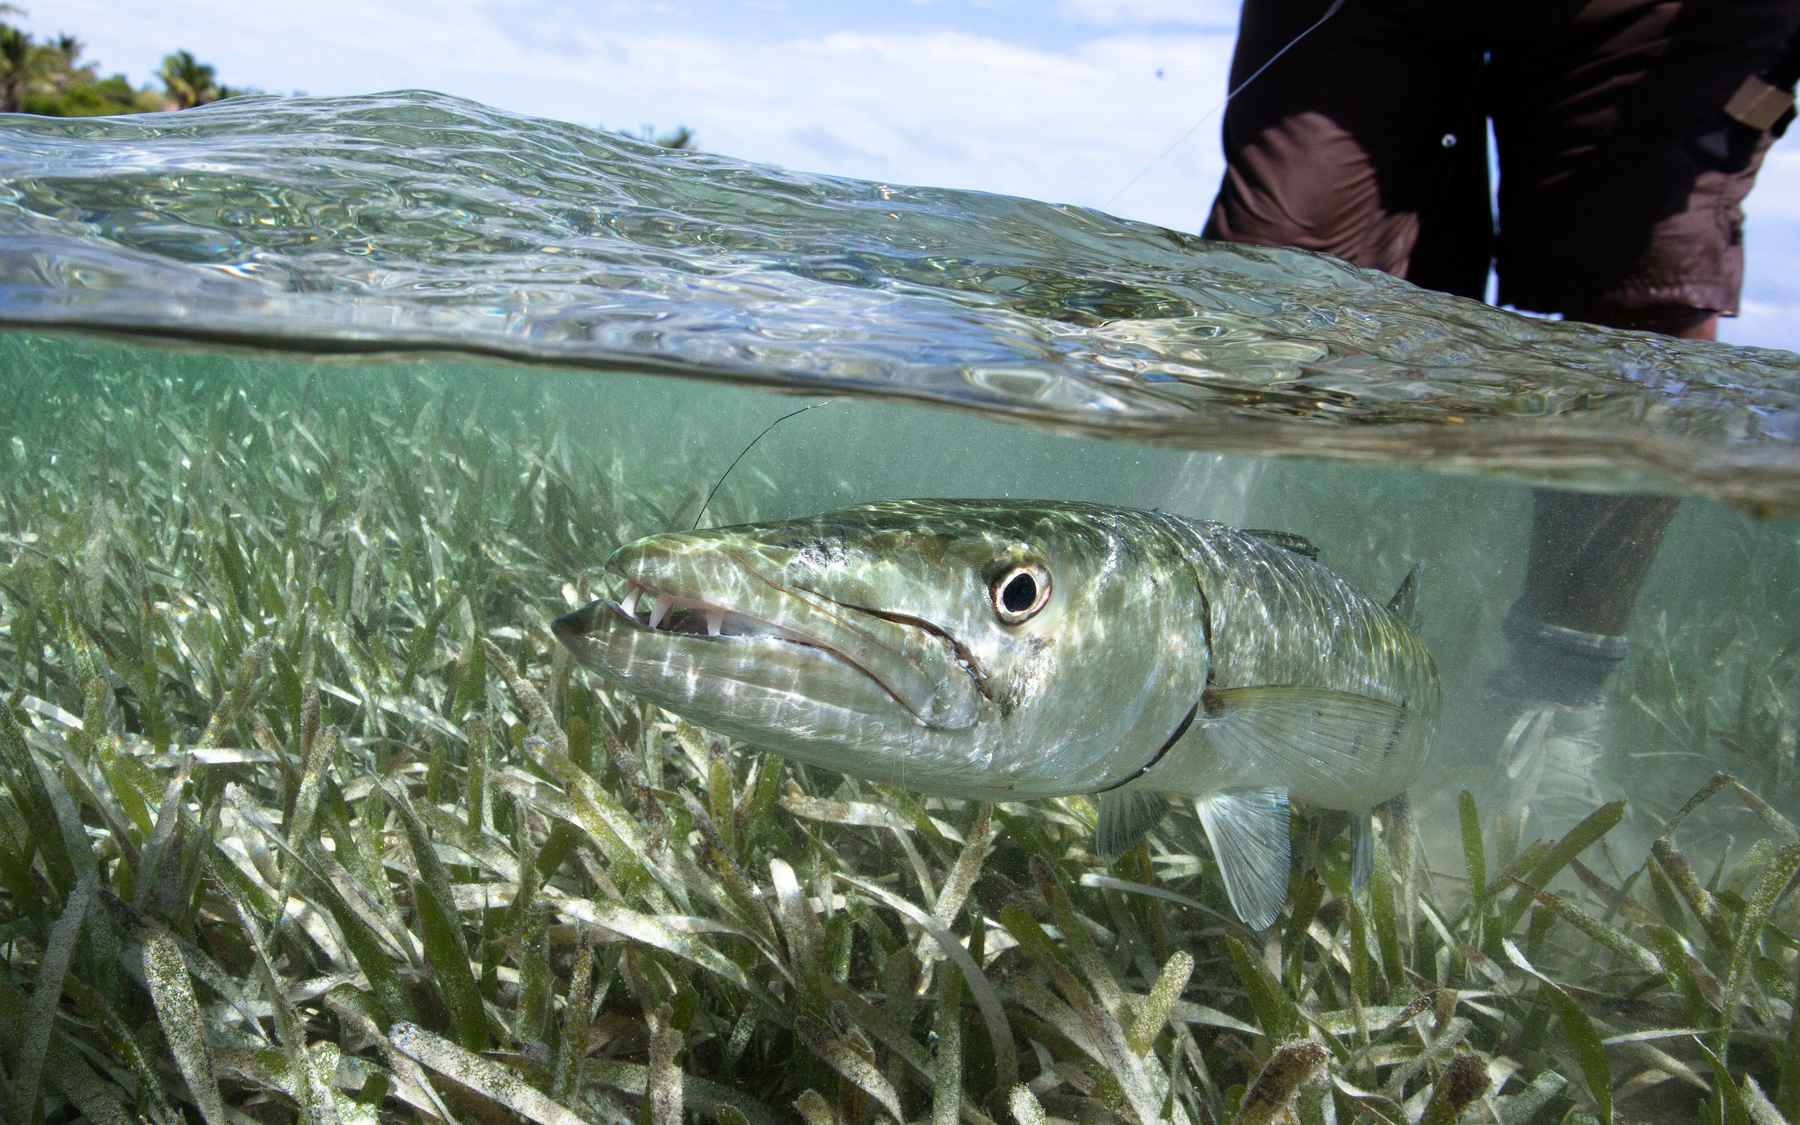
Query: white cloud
[(1114, 13), (1777, 192), (1769, 315), (939, 107)]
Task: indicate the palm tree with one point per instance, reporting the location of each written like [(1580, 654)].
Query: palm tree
[(189, 81), (15, 67), (63, 56)]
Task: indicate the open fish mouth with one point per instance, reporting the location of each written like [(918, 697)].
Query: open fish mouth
[(652, 611), (755, 630), (671, 613)]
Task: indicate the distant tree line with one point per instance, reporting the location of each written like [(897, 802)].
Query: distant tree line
[(50, 77)]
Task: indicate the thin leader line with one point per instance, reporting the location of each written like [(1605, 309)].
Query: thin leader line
[(734, 461), (1208, 115)]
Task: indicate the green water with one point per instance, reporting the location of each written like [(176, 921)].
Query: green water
[(1714, 635), (315, 412)]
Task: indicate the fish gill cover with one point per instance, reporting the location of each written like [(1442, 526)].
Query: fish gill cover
[(412, 222)]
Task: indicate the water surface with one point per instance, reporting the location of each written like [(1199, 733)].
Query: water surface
[(412, 222)]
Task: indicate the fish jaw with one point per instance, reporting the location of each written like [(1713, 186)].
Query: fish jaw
[(716, 618), (871, 641)]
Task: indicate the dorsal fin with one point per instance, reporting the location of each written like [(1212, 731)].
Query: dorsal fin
[(1405, 602), (1286, 540)]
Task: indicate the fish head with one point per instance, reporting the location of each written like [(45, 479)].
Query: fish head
[(973, 648)]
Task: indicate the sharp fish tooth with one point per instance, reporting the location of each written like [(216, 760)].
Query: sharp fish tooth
[(628, 604), (715, 621), (661, 609)]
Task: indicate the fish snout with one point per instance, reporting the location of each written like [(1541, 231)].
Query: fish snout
[(571, 627), (724, 588), (672, 559)]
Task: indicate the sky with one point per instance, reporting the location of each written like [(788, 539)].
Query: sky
[(1104, 103)]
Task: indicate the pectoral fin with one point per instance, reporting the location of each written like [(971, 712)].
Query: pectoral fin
[(1125, 816), (1248, 829), (1333, 739)]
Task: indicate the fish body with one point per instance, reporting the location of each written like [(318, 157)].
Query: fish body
[(1005, 649)]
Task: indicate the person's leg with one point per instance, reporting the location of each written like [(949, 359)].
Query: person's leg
[(1588, 553), (1622, 175), (1366, 141), (1617, 208)]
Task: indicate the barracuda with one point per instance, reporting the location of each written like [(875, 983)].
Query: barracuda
[(1006, 649)]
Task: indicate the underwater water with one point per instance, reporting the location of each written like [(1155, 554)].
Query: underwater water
[(314, 413)]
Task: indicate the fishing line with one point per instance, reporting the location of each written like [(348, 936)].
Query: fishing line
[(1129, 184), (734, 461), (1207, 116)]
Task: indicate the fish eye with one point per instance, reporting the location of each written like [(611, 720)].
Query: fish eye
[(1019, 592)]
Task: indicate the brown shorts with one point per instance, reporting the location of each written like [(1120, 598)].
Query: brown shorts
[(1618, 185)]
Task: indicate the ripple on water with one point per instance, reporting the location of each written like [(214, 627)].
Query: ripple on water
[(415, 221)]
